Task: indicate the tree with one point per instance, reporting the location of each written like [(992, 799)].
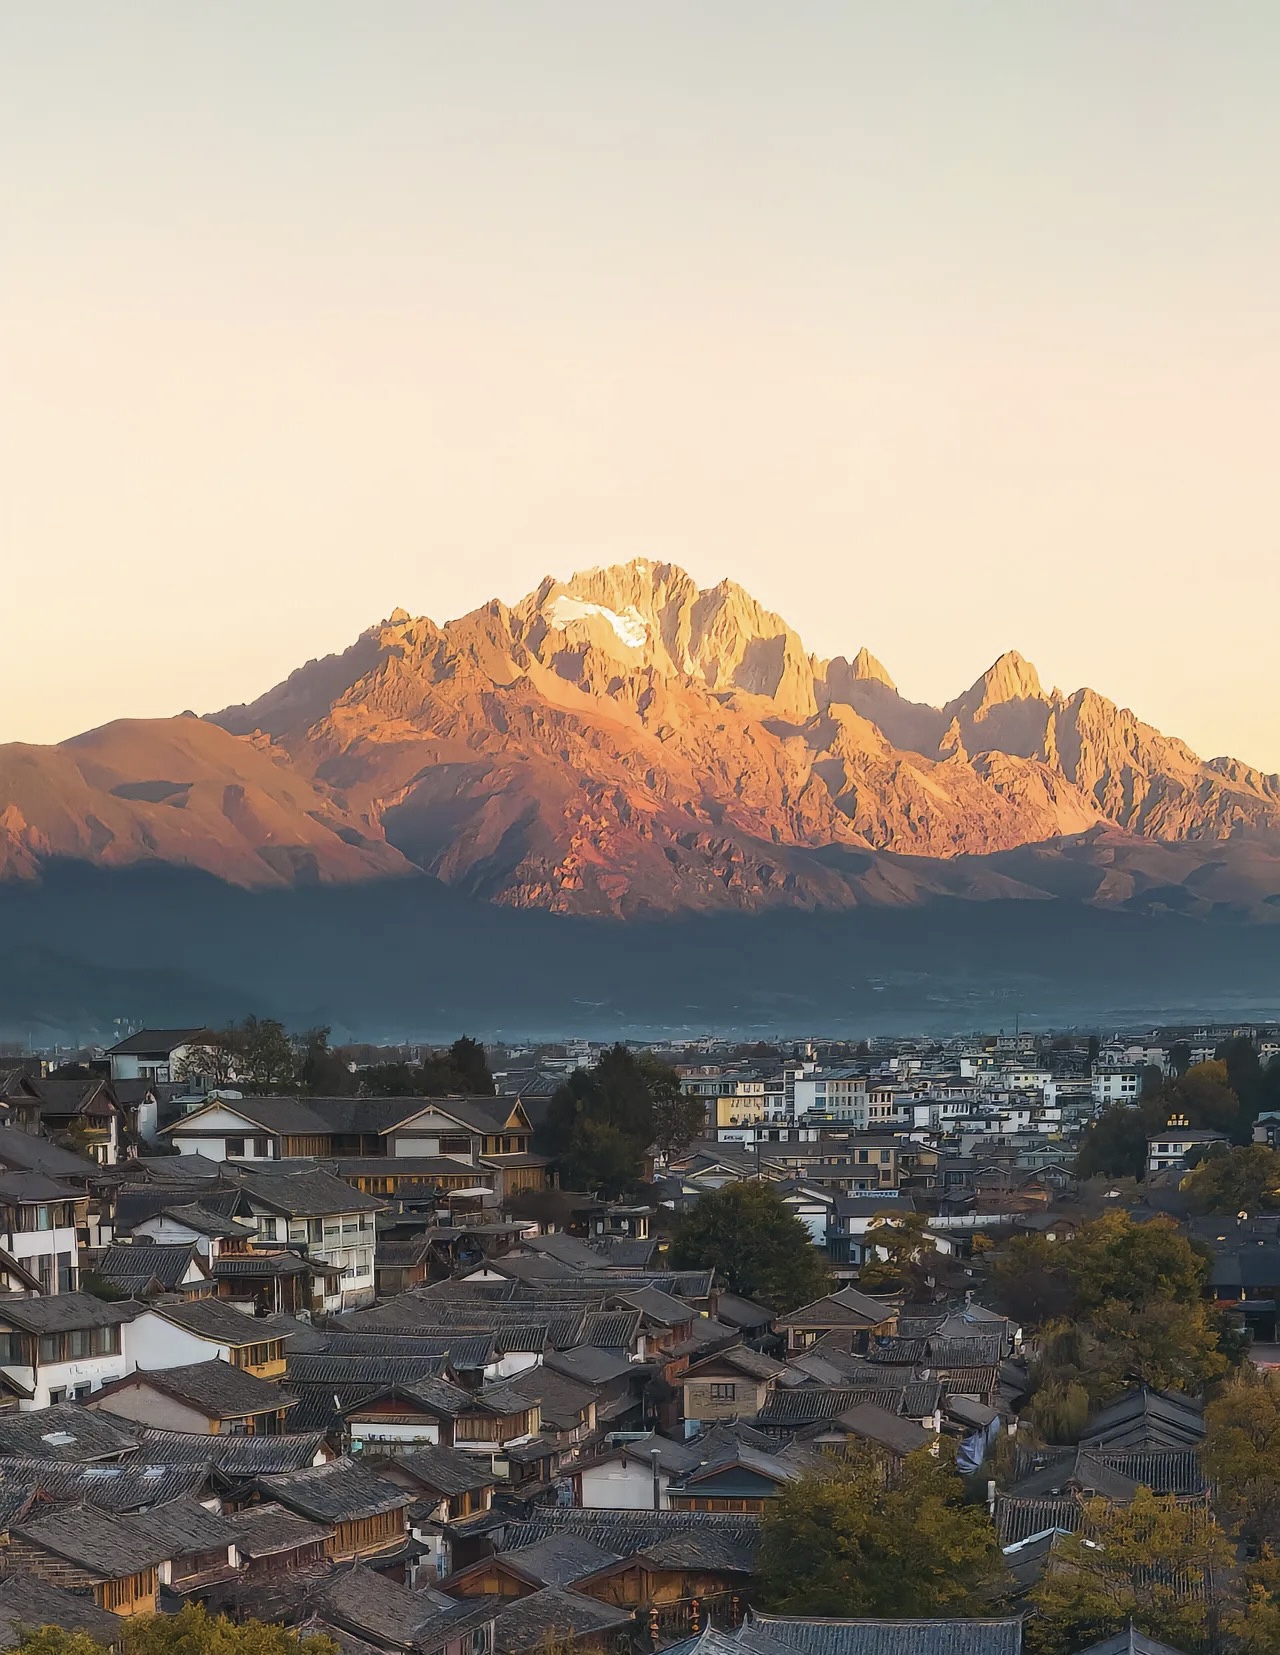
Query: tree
[(1028, 1280), (322, 1072), (1180, 1057), (1114, 1145), (1114, 1260), (192, 1631), (898, 1253), (1244, 1074), (677, 1118), (1241, 1454), (469, 1062), (212, 1059), (746, 1234), (1244, 1179), (868, 1540), (600, 1122), (266, 1062), (1154, 1563), (1203, 1094)]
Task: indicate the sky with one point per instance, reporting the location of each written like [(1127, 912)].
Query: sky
[(944, 329)]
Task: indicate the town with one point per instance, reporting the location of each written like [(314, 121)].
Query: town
[(856, 1348)]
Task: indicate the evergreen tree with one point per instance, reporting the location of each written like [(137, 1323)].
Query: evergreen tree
[(746, 1234)]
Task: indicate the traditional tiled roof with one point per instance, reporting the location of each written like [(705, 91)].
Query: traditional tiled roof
[(552, 1614), (628, 1532), (329, 1370), (848, 1307), (213, 1319), (1147, 1419), (875, 1424), (1115, 1473), (901, 1637), (267, 1530), (26, 1602), (155, 1042), (339, 1492), (213, 1388), (743, 1359), (562, 1401), (445, 1470), (743, 1313), (1020, 1519), (165, 1263), (203, 1220), (558, 1559), (123, 1486), (64, 1312), (184, 1526), (373, 1605), (310, 1194), (101, 1543), (67, 1431), (234, 1455)]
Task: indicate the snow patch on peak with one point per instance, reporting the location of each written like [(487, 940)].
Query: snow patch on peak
[(630, 625)]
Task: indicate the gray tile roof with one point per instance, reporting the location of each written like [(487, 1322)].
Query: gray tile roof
[(310, 1194), (444, 1470), (184, 1526), (329, 1370), (215, 1388), (848, 1307), (264, 1531), (341, 1491), (214, 1319), (236, 1456), (67, 1431), (1147, 1419), (165, 1263), (124, 1486), (26, 1602), (102, 1543), (532, 1622), (373, 1605), (628, 1532), (875, 1424), (882, 1637), (558, 1559), (64, 1312)]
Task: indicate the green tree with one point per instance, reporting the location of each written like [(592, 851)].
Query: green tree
[(1180, 1057), (1114, 1260), (1114, 1145), (677, 1118), (867, 1540), (323, 1072), (192, 1631), (1028, 1280), (469, 1062), (1244, 1074), (1154, 1563), (266, 1062), (1245, 1179), (1241, 1454), (898, 1253), (746, 1234), (601, 1121), (1203, 1094)]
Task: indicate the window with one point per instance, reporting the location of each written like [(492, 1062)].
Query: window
[(57, 1395), (235, 1146), (66, 1273), (10, 1348), (79, 1343), (724, 1392), (44, 1218), (44, 1271), (260, 1148), (79, 1392), (50, 1347), (886, 1154), (106, 1341)]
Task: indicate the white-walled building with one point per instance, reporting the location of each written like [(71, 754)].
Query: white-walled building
[(63, 1347)]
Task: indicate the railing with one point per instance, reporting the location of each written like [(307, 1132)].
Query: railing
[(669, 1622)]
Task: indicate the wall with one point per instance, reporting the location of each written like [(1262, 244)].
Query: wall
[(152, 1342), (622, 1485), (151, 1408), (94, 1371)]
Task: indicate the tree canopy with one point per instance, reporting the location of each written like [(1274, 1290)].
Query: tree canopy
[(602, 1120), (745, 1232), (192, 1631), (873, 1540), (1244, 1179)]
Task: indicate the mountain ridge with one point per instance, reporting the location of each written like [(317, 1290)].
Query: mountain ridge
[(625, 743)]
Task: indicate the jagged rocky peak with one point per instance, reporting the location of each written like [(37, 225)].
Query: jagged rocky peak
[(865, 667), (1011, 678)]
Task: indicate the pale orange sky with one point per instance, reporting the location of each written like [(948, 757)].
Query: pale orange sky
[(942, 329)]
